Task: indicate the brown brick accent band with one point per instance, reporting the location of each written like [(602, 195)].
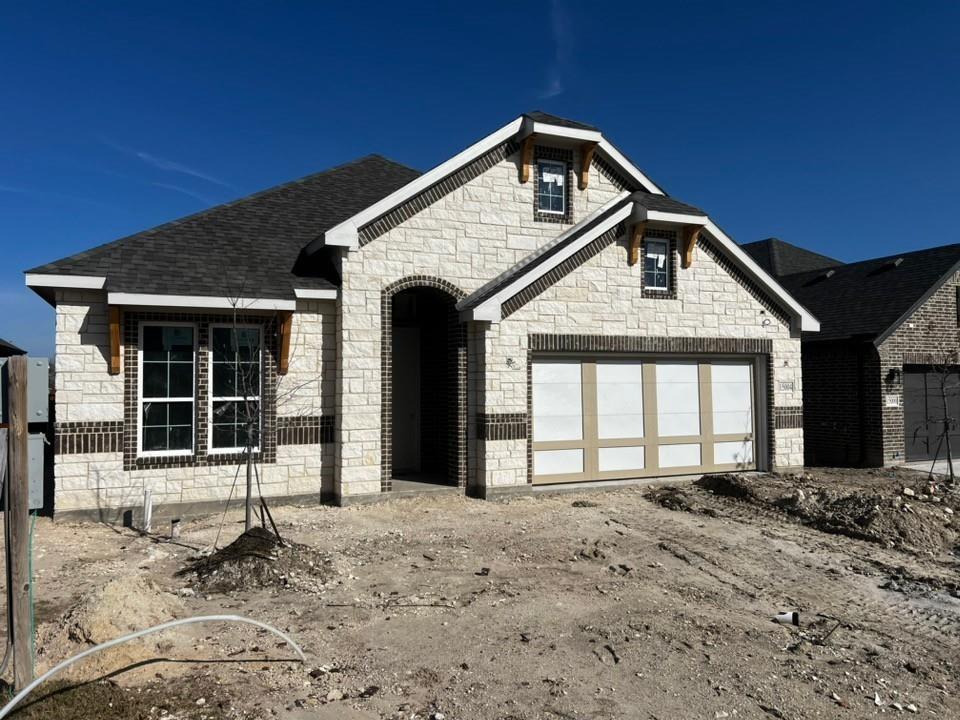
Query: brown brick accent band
[(305, 430), (103, 436), (788, 418), (502, 426), (202, 455), (648, 344), (610, 173), (541, 284), (392, 219)]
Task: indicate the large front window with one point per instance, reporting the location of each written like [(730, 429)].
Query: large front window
[(235, 370), (166, 389)]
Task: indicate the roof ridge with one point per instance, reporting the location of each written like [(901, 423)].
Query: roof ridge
[(883, 258)]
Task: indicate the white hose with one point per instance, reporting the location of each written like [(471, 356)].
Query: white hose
[(126, 638)]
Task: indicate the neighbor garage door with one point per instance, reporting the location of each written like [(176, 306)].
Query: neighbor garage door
[(923, 411), (608, 419)]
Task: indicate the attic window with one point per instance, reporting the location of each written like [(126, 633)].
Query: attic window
[(656, 265), (551, 192)]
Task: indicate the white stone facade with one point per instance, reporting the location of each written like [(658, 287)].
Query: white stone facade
[(469, 236)]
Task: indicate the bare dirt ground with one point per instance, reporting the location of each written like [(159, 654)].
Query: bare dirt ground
[(640, 603)]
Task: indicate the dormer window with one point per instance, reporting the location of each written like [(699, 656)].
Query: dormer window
[(551, 190), (656, 265)]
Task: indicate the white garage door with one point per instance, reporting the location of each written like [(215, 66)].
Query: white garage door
[(612, 419)]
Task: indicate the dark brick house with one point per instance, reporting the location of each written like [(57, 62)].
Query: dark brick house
[(872, 375)]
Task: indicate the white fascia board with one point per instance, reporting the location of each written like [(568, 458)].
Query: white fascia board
[(308, 294), (620, 160), (806, 321), (86, 282), (489, 309), (199, 301), (642, 214), (539, 128), (346, 233)]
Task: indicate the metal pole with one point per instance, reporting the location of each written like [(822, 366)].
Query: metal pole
[(18, 515)]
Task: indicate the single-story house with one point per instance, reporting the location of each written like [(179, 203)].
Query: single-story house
[(534, 310), (873, 374)]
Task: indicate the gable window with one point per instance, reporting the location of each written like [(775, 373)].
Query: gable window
[(235, 380), (551, 193), (656, 264), (166, 392)]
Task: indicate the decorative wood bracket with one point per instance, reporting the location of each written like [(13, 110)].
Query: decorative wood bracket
[(586, 159), (114, 320), (689, 244), (635, 239), (526, 159), (286, 329)]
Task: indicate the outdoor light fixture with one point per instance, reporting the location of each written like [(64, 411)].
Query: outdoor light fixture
[(893, 376)]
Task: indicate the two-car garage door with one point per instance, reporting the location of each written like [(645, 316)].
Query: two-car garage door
[(607, 419)]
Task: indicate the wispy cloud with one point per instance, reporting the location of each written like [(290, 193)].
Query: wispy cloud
[(168, 165), (562, 50), (51, 194), (185, 191), (11, 189)]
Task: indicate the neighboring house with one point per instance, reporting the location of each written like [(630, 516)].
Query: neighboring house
[(8, 349), (534, 310), (872, 375)]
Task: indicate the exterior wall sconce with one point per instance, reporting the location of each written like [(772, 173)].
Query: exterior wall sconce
[(894, 375)]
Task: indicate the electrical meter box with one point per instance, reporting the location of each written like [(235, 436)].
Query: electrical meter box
[(38, 390)]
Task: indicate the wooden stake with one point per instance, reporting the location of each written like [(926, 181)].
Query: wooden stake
[(18, 515)]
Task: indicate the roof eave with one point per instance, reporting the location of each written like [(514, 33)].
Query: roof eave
[(885, 334)]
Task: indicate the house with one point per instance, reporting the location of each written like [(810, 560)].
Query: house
[(872, 375), (534, 310), (8, 349)]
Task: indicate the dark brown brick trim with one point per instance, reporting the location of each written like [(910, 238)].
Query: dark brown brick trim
[(457, 453), (671, 237), (201, 456), (539, 286), (788, 418), (762, 347), (561, 155), (502, 426), (435, 192), (758, 293), (305, 430), (99, 436), (611, 173)]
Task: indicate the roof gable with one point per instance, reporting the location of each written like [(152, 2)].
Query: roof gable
[(782, 258)]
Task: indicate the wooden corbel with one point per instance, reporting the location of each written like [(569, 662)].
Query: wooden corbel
[(526, 159), (114, 320), (689, 244), (286, 328), (586, 159), (636, 237)]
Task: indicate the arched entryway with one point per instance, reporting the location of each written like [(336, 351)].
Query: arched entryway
[(424, 386)]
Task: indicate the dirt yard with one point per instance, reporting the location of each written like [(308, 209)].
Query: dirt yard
[(640, 603)]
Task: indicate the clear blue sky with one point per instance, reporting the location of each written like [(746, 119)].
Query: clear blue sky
[(832, 125)]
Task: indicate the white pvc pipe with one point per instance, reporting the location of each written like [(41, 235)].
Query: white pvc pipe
[(133, 636)]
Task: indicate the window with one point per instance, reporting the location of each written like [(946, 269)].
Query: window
[(166, 389), (656, 264), (551, 177), (235, 370)]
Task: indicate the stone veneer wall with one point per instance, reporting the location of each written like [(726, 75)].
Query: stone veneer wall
[(920, 340), (604, 297), (471, 231), (89, 468)]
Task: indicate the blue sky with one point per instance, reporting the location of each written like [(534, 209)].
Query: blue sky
[(832, 125)]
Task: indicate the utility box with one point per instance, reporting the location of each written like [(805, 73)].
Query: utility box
[(35, 443), (38, 390)]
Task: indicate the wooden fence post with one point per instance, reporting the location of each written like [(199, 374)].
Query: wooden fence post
[(18, 515)]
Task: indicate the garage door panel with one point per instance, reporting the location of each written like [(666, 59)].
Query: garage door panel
[(923, 410), (733, 453), (678, 399), (557, 401), (558, 462), (620, 400), (615, 459), (680, 455)]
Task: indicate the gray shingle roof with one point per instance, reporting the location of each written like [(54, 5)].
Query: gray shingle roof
[(781, 258), (540, 116), (8, 348), (248, 248), (866, 299), (663, 203)]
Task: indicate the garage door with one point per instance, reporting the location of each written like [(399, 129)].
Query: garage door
[(600, 419), (923, 411)]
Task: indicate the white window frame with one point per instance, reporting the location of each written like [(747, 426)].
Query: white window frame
[(647, 241), (563, 189), (140, 399), (211, 450)]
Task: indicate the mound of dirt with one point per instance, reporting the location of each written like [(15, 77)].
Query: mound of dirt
[(892, 508), (257, 559), (121, 606)]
